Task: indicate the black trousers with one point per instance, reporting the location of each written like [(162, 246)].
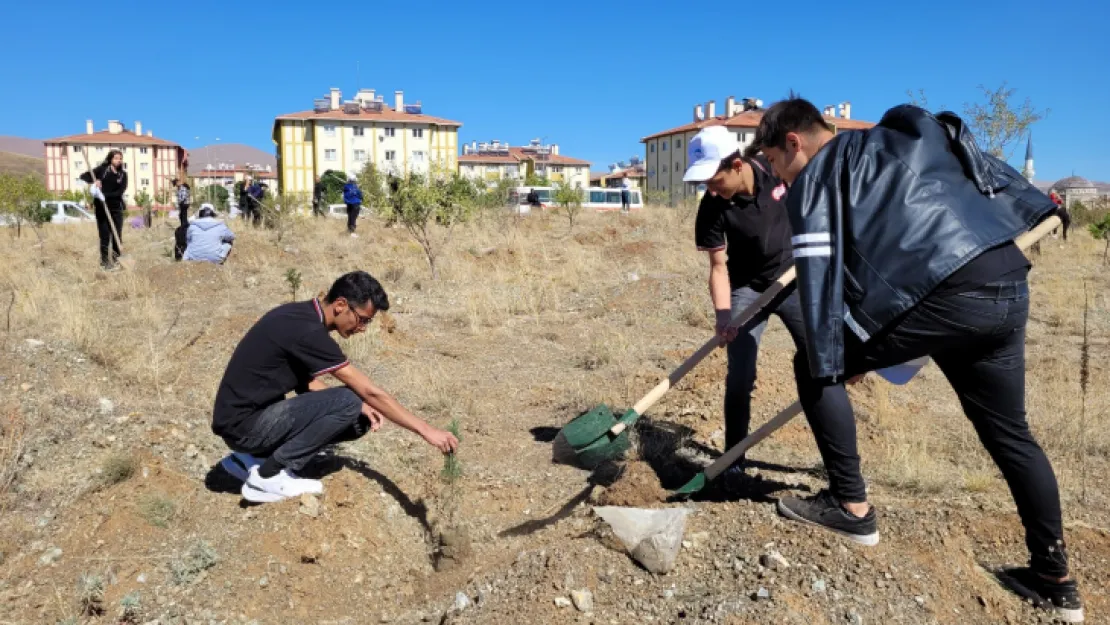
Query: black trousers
[(352, 216), (183, 214), (109, 247), (977, 338)]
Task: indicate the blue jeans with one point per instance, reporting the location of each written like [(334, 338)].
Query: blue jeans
[(294, 430), (743, 353), (977, 338)]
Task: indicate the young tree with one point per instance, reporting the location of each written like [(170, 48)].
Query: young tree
[(1101, 231), (569, 200), (429, 208), (333, 181), (372, 182), (534, 180), (997, 123), (143, 199), (21, 200)]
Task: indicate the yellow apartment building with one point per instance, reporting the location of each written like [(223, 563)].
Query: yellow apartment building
[(151, 163), (347, 135), (494, 160), (665, 152)]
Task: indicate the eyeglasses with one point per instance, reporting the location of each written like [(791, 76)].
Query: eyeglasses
[(362, 321)]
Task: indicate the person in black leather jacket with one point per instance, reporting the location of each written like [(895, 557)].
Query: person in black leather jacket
[(903, 242)]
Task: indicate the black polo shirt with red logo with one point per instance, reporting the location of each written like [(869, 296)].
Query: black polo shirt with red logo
[(754, 229), (285, 350)]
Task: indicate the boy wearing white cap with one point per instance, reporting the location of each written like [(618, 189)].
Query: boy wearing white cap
[(743, 226)]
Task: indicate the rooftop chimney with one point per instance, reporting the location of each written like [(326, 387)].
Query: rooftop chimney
[(114, 126), (697, 113), (399, 101), (846, 110), (730, 106), (150, 133), (335, 97), (365, 95), (711, 109), (138, 128), (88, 127), (829, 111), (554, 149)]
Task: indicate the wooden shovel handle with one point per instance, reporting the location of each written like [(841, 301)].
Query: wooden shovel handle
[(739, 449), (744, 317), (1027, 239)]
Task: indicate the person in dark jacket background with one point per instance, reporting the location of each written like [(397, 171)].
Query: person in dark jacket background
[(255, 191), (318, 198), (110, 179), (183, 200), (245, 203), (352, 197), (903, 242)]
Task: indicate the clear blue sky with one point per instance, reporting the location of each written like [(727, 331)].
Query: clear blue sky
[(594, 77)]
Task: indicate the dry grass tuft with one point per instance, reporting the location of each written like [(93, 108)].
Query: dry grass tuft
[(117, 468), (158, 509)]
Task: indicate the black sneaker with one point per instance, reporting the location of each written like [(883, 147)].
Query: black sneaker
[(1059, 597), (825, 511)]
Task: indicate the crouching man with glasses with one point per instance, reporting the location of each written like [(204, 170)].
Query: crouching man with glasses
[(288, 350)]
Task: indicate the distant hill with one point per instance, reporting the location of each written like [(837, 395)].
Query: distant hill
[(236, 153), (21, 145), (11, 163)]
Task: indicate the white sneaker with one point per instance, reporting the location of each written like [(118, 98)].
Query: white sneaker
[(260, 489), (354, 236), (239, 464)]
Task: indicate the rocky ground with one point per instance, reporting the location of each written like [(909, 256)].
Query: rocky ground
[(118, 513)]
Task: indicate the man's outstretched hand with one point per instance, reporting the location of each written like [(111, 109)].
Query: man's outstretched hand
[(442, 440), (374, 416)]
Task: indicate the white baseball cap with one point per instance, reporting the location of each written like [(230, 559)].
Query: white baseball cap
[(706, 151)]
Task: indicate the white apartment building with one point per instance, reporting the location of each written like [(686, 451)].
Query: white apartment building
[(348, 135), (151, 163), (494, 160)]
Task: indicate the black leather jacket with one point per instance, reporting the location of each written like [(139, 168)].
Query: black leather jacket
[(882, 216)]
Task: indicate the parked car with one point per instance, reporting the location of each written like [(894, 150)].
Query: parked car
[(64, 212), (339, 211)]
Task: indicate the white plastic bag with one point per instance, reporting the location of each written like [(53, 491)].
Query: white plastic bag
[(652, 537)]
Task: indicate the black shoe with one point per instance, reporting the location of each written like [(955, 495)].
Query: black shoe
[(824, 510), (1060, 597)]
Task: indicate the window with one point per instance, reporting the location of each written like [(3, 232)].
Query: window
[(651, 148), (556, 169), (664, 146), (597, 197), (78, 164), (360, 156), (329, 155), (677, 165), (390, 132), (664, 169), (329, 130), (677, 143), (76, 149), (417, 133), (125, 167), (145, 182), (143, 150), (72, 211), (390, 155), (493, 169), (360, 131), (418, 156), (144, 166)]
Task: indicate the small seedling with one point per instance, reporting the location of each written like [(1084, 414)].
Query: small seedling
[(293, 278), (130, 608), (118, 468), (452, 468), (200, 557), (90, 595), (158, 510)]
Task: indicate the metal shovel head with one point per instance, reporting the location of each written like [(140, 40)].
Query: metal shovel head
[(689, 488), (587, 428), (608, 447)]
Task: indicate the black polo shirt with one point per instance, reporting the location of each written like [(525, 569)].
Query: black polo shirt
[(285, 350), (754, 229)]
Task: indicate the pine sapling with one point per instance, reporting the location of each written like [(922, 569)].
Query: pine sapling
[(452, 468), (293, 278)]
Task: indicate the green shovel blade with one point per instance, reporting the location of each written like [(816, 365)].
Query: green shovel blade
[(588, 428), (689, 488)]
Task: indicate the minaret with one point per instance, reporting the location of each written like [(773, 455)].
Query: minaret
[(1028, 171)]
